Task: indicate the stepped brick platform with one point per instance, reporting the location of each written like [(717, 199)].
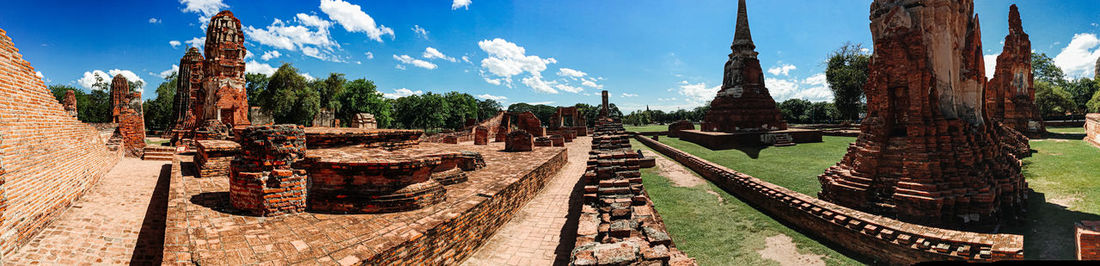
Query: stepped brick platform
[(727, 140), (203, 228), (618, 224), (330, 137), (883, 239), (214, 156), (1092, 129)]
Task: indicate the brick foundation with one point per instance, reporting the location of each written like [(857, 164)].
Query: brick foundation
[(883, 239), (261, 180), (1088, 240), (328, 137), (213, 157)]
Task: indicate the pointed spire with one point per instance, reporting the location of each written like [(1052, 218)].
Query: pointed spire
[(742, 36), (1014, 20)]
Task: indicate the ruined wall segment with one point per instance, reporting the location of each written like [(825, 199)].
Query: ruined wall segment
[(69, 103), (743, 103), (926, 153), (1010, 96), (48, 158), (1092, 129), (223, 93)]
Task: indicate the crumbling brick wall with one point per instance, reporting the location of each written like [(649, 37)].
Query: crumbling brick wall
[(1092, 129), (48, 159)]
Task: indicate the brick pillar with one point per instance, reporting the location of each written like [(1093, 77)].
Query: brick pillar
[(261, 179)]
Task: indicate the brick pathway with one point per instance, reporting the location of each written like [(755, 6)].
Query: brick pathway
[(105, 225), (533, 236)]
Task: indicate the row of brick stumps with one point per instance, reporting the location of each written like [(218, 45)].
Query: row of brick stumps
[(261, 180), (618, 224)]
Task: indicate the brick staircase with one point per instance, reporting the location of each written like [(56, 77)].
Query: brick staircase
[(158, 153), (783, 140)]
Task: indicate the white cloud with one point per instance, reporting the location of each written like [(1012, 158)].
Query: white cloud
[(38, 74), (592, 84), (174, 43), (197, 42), (1078, 59), (784, 69), (493, 81), (402, 92), (258, 68), (406, 59), (401, 67), (629, 95), (864, 50), (89, 78), (507, 59), (270, 55), (308, 77), (170, 71), (431, 53), (310, 35), (699, 92), (817, 79), (154, 21), (460, 3), (354, 19), (205, 8), (990, 65), (572, 73), (466, 59), (493, 97), (543, 103), (814, 89), (420, 32), (247, 54), (569, 88), (369, 55)]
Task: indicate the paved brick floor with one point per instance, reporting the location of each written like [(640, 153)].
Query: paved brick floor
[(105, 225), (534, 236)]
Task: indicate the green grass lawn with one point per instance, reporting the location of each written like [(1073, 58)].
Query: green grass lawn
[(1064, 172), (646, 128)]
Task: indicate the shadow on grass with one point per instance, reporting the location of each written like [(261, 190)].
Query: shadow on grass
[(1065, 136), (1049, 229)]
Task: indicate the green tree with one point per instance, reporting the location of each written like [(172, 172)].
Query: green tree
[(361, 96), (462, 107), (1043, 69), (254, 85), (427, 111), (487, 108), (1093, 106), (1052, 100), (846, 72), (329, 90), (158, 111), (795, 110), (1081, 91), (288, 99)]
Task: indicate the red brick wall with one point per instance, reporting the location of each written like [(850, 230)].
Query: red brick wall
[(1088, 240), (883, 239), (1092, 129), (48, 158)]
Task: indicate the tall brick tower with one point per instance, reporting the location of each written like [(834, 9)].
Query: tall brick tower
[(119, 94), (223, 94), (186, 107), (1010, 96), (743, 103), (926, 153)]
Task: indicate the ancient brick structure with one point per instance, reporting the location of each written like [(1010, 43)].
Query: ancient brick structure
[(1092, 129), (261, 180), (214, 157), (223, 93), (926, 153), (504, 127), (1010, 96), (186, 106), (568, 119), (211, 129), (618, 224), (605, 111), (390, 139), (481, 135), (126, 111), (355, 180), (364, 120), (543, 142), (527, 121), (557, 140), (1088, 240), (450, 139), (743, 103), (48, 158), (885, 240), (675, 128), (519, 140), (69, 103), (325, 118)]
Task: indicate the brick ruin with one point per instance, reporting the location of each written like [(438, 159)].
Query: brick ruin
[(568, 120), (1087, 238), (743, 103), (618, 224), (41, 175), (519, 141), (481, 135), (1092, 129), (214, 157), (1010, 96), (675, 128), (927, 153), (364, 120), (126, 111), (212, 94), (325, 118), (69, 103), (261, 180)]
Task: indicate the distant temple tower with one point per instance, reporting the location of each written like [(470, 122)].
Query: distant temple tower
[(185, 106), (743, 103), (119, 94), (223, 94), (1010, 96)]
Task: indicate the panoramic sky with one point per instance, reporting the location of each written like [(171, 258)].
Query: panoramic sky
[(661, 54)]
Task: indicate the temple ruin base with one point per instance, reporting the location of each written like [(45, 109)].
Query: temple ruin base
[(725, 140)]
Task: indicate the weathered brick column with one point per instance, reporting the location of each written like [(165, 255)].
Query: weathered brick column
[(261, 179)]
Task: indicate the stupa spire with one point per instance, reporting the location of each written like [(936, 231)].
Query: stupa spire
[(742, 37)]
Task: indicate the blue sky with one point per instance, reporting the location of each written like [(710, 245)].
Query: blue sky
[(664, 54)]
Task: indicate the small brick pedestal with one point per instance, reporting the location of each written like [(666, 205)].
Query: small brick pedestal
[(214, 157), (519, 140), (481, 135), (1088, 240), (261, 179)]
